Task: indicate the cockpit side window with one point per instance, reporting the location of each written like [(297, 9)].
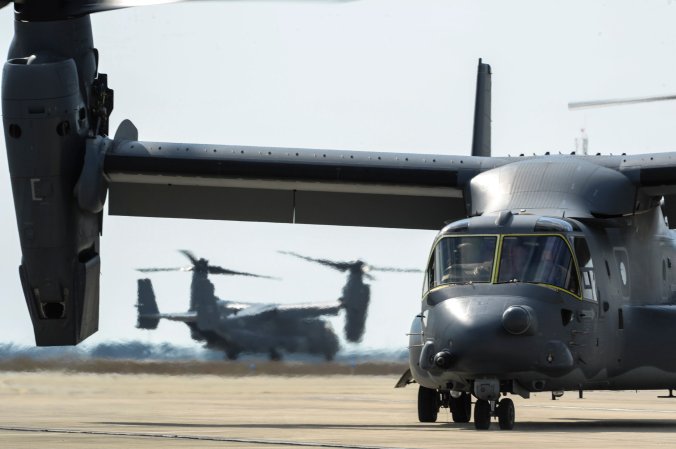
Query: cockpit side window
[(538, 259), (462, 260), (586, 265)]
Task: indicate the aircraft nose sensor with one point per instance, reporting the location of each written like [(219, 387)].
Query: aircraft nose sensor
[(443, 359), (518, 320)]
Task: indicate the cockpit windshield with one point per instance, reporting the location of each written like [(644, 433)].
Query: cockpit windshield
[(463, 260), (539, 259), (535, 259)]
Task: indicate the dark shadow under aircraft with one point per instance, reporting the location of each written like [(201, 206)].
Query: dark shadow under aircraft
[(237, 327)]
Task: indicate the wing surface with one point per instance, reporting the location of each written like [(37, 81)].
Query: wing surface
[(290, 311), (286, 185), (185, 317)]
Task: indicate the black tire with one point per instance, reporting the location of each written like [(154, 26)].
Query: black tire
[(461, 408), (482, 415), (506, 414), (428, 404)]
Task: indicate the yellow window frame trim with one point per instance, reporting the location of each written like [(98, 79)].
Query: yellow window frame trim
[(498, 243), (553, 287), (498, 254)]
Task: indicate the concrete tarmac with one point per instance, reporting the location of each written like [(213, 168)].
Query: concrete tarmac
[(65, 410)]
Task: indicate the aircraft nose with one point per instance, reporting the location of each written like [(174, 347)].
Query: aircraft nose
[(490, 334)]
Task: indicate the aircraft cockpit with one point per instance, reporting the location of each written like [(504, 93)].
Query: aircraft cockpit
[(535, 250)]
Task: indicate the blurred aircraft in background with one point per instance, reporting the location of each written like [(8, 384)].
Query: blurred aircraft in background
[(237, 327)]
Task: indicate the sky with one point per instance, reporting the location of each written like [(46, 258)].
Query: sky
[(375, 75)]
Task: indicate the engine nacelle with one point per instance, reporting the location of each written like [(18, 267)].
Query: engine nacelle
[(46, 115)]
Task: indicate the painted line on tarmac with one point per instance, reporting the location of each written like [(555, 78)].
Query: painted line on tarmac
[(172, 436)]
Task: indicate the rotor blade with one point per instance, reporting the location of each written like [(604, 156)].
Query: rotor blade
[(617, 102), (341, 266), (189, 255), (40, 10), (220, 270), (155, 270), (395, 270)]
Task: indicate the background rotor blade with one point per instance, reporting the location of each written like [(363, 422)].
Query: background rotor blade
[(617, 102), (220, 270), (341, 266), (189, 255), (395, 270), (155, 270)]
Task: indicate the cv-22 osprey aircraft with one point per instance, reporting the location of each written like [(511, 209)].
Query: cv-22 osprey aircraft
[(356, 293), (550, 273), (238, 327)]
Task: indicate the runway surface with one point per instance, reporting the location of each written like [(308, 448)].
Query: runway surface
[(59, 410)]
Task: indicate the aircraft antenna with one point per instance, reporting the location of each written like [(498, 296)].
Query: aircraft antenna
[(582, 143)]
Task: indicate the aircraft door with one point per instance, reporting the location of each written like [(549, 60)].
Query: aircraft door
[(588, 284), (591, 322)]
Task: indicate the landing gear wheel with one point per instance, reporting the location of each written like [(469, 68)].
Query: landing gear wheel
[(428, 404), (482, 415), (506, 414), (461, 408)]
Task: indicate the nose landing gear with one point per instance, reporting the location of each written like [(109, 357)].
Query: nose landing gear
[(504, 410), (460, 404)]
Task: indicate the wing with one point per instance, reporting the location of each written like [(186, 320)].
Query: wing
[(186, 317), (288, 185), (289, 311)]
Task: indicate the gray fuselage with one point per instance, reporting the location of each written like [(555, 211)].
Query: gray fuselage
[(610, 333)]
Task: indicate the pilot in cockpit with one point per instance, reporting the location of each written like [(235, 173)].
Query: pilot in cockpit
[(475, 261), (549, 271), (515, 265)]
